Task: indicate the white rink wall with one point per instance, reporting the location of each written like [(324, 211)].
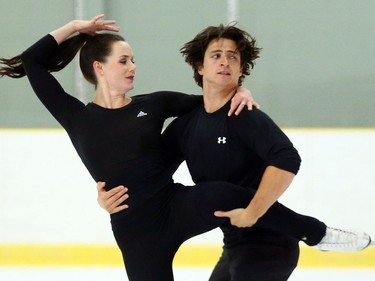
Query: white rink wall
[(47, 196)]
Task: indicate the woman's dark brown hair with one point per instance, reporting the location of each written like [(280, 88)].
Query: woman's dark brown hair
[(93, 48)]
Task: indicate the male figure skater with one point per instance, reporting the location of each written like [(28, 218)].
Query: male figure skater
[(248, 150)]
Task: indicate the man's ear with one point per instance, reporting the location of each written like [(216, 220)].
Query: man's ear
[(200, 69)]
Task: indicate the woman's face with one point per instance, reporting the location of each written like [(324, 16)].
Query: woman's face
[(119, 69)]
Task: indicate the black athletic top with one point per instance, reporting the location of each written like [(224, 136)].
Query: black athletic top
[(118, 146), (234, 149)]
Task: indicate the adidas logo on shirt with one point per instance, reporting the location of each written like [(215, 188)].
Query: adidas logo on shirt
[(141, 113)]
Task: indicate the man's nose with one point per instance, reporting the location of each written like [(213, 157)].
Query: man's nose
[(224, 61)]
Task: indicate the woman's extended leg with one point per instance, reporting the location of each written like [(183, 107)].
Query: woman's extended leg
[(206, 198)]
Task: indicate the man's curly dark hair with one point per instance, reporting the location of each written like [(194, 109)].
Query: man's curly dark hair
[(194, 50)]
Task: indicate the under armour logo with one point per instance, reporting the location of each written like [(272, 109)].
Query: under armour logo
[(141, 113), (221, 140)]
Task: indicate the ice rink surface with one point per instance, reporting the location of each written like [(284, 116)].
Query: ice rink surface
[(181, 274)]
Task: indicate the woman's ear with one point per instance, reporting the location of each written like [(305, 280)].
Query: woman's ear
[(97, 66)]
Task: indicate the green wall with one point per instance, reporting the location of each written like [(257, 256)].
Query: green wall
[(317, 67)]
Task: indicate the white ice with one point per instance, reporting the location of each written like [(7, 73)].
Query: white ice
[(181, 274)]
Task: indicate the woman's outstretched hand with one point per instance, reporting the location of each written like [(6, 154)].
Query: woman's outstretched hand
[(90, 27), (95, 25)]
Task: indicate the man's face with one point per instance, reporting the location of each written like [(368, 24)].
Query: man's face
[(221, 64)]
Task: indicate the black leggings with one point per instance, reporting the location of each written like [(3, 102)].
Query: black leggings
[(150, 239)]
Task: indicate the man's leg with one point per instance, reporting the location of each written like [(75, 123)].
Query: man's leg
[(257, 261), (221, 270)]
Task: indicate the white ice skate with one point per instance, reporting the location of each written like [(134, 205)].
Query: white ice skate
[(340, 240)]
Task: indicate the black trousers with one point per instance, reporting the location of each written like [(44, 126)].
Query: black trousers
[(272, 259), (150, 237)]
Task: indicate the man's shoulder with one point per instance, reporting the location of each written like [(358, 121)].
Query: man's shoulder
[(248, 115)]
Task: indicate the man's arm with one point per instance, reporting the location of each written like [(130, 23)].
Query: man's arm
[(273, 184), (111, 200)]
